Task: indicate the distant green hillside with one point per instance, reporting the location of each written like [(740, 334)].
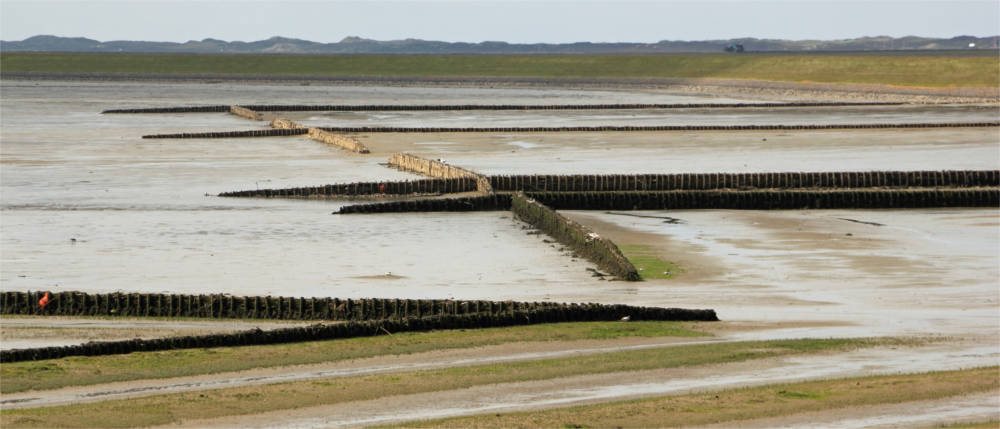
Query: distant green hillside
[(903, 70)]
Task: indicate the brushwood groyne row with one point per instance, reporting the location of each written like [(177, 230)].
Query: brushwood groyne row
[(273, 132), (666, 182), (220, 306), (707, 199), (491, 202), (422, 186), (771, 200), (599, 250), (446, 107), (586, 129), (366, 328), (650, 182)]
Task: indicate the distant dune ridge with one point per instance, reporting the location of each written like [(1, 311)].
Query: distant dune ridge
[(357, 45)]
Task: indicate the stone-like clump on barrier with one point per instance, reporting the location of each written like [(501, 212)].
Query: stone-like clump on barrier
[(337, 140), (368, 328), (409, 187), (491, 202), (243, 112), (285, 124), (436, 168), (771, 199), (581, 239)]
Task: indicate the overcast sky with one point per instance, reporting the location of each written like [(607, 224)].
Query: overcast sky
[(510, 21)]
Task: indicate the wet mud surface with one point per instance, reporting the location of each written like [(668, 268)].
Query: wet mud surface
[(142, 222)]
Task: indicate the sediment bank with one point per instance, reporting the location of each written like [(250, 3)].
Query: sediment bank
[(599, 250), (243, 112), (437, 168), (342, 142)]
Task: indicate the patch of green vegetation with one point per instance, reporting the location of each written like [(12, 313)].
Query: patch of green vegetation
[(647, 261), (166, 409), (744, 405), (83, 370), (904, 70)]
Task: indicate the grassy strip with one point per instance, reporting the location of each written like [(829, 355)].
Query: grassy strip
[(172, 408), (648, 263), (992, 424), (745, 404), (922, 70), (84, 370)]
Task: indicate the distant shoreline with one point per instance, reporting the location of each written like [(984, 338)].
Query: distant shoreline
[(745, 87)]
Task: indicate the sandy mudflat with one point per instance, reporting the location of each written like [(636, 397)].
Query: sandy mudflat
[(145, 220)]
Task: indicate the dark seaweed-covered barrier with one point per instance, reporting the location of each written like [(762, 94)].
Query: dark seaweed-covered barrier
[(707, 199), (649, 182), (243, 307), (468, 204), (537, 315), (604, 128), (232, 134), (628, 128), (771, 200), (693, 181), (180, 109), (404, 108), (423, 186), (597, 249)]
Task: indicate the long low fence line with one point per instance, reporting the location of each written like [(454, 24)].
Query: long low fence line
[(771, 199), (436, 168), (790, 199), (666, 182), (368, 328), (603, 128), (628, 128), (220, 306), (599, 250), (491, 202), (342, 142), (180, 109), (445, 107), (646, 182), (411, 187), (232, 134), (243, 112), (283, 123)]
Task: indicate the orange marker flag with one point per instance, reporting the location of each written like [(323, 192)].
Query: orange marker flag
[(44, 301)]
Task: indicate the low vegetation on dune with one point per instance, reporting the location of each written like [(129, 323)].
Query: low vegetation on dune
[(921, 70), (172, 408), (746, 404)]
